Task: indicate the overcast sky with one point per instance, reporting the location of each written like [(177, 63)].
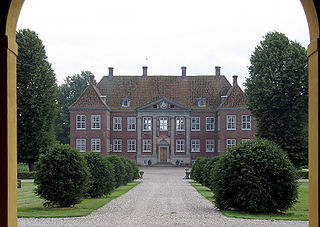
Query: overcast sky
[(161, 34)]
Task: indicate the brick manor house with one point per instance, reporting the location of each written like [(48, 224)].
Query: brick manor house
[(161, 118)]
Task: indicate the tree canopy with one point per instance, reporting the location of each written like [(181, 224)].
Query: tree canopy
[(68, 92), (277, 94), (36, 91)]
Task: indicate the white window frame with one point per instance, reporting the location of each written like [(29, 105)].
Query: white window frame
[(95, 145), (95, 122), (117, 145), (246, 122), (81, 122), (131, 124), (245, 140), (195, 146), (131, 145), (180, 146), (230, 143), (163, 123), (231, 122), (147, 145), (195, 124), (210, 124), (125, 102), (201, 102), (147, 123), (209, 143), (81, 145), (117, 123), (180, 123)]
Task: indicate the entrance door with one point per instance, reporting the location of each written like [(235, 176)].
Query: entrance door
[(163, 154)]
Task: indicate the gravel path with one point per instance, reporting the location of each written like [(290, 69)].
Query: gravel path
[(163, 199)]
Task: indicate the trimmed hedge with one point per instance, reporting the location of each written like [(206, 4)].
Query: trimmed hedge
[(196, 171), (62, 176), (119, 169), (135, 169), (255, 176), (129, 171), (302, 174), (101, 181), (26, 175), (207, 170)]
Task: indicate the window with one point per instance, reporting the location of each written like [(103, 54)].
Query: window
[(125, 102), (179, 145), (209, 145), (95, 121), (131, 144), (246, 122), (147, 123), (230, 143), (195, 145), (163, 123), (146, 145), (95, 145), (210, 124), (201, 102), (81, 145), (231, 122), (245, 140), (195, 124), (117, 124), (117, 145), (81, 121), (180, 123), (131, 124)]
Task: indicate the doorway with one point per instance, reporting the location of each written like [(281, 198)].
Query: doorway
[(163, 154)]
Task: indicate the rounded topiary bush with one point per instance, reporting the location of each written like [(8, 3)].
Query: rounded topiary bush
[(196, 171), (135, 169), (101, 175), (207, 169), (62, 176), (129, 171), (255, 176), (119, 169)]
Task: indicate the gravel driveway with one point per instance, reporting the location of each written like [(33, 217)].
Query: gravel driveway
[(163, 199)]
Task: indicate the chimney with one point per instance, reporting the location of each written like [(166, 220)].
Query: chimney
[(104, 98), (110, 72), (184, 72), (235, 79), (144, 72), (218, 70), (91, 79)]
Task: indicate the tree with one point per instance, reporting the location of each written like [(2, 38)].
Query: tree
[(67, 94), (277, 94), (36, 91)]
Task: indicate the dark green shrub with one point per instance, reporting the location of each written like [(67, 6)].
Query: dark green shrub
[(26, 175), (302, 174), (196, 171), (135, 169), (256, 176), (101, 175), (62, 176), (207, 169), (119, 169), (129, 171)]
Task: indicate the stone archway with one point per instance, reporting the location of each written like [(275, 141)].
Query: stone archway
[(9, 12)]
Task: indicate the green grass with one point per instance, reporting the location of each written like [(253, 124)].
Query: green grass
[(299, 211), (29, 205)]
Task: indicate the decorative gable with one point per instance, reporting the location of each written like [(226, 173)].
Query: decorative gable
[(163, 104)]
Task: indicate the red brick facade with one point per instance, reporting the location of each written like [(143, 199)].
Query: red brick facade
[(185, 123)]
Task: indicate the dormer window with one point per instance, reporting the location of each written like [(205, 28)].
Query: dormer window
[(201, 102), (125, 102)]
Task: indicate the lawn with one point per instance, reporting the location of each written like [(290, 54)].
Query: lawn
[(29, 205), (300, 210)]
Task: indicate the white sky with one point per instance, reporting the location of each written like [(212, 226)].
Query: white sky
[(200, 34)]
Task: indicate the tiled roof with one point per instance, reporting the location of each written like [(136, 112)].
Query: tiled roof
[(235, 98), (90, 98), (144, 91)]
